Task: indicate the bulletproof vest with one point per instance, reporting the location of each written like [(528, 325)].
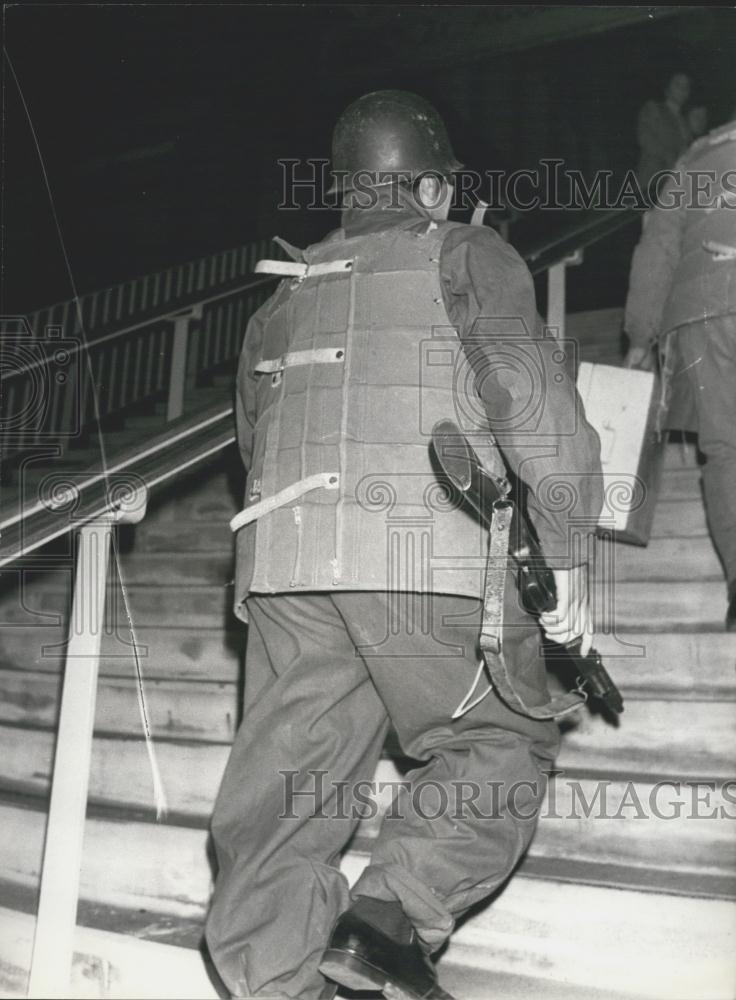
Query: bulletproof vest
[(357, 362), (704, 283)]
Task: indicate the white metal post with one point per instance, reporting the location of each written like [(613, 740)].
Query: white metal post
[(53, 944), (556, 298), (179, 354), (62, 858), (556, 292), (175, 405)]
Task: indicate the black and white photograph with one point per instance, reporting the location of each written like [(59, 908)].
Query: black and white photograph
[(367, 501)]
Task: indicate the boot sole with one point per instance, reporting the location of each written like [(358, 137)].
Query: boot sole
[(348, 969)]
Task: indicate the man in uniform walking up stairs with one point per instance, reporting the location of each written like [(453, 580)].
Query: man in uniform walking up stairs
[(362, 586), (682, 296)]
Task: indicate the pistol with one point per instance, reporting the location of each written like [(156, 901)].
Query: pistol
[(535, 579)]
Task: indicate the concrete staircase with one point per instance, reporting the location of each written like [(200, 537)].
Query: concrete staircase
[(634, 900)]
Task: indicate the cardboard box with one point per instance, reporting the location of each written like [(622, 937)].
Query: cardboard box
[(621, 404)]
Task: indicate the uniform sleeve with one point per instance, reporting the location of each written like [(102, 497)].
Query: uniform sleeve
[(653, 265), (245, 393), (526, 384)]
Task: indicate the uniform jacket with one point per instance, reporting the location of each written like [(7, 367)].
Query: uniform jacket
[(684, 268), (343, 374), (663, 135)]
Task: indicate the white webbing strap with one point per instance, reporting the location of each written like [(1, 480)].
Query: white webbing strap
[(720, 251), (491, 637), (292, 268), (317, 356), (466, 704), (479, 213), (320, 480)]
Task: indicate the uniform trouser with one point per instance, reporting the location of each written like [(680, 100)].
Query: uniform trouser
[(324, 675), (708, 353)]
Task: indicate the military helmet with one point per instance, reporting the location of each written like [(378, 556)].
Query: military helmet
[(390, 131)]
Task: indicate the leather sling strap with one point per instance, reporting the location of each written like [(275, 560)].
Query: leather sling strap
[(491, 636)]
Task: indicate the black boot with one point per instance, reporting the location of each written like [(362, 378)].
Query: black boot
[(375, 947)]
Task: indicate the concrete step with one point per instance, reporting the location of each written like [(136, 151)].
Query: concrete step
[(196, 606), (633, 605), (679, 739), (27, 753), (638, 943), (674, 830), (645, 945), (471, 983), (215, 502), (190, 537), (667, 739), (592, 326), (134, 962), (187, 654), (107, 963), (661, 606), (674, 833), (679, 519), (130, 958), (180, 569), (120, 773), (662, 559), (203, 710), (681, 484), (680, 454), (680, 666)]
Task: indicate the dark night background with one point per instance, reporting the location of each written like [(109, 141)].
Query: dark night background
[(159, 126)]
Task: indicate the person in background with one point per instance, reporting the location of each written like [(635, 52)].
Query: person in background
[(682, 297), (663, 133), (697, 121)]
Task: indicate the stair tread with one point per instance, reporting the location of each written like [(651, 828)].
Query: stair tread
[(189, 654), (685, 666), (120, 771), (465, 981), (685, 739), (551, 929), (684, 846)]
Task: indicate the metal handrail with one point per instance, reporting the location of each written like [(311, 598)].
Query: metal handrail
[(175, 286), (159, 460), (150, 321), (147, 339), (585, 234)]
